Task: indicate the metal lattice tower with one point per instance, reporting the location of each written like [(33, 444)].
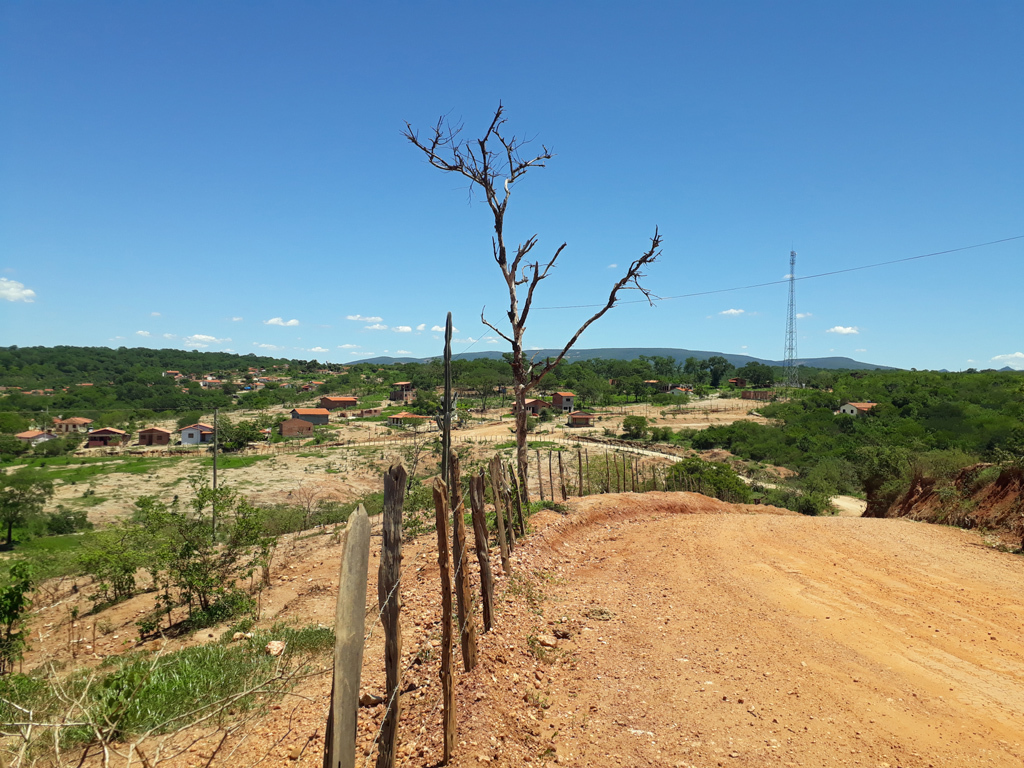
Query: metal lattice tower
[(790, 371)]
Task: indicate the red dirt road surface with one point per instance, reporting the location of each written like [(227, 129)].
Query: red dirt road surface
[(761, 639)]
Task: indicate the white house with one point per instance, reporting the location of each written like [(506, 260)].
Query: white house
[(197, 434), (856, 409)]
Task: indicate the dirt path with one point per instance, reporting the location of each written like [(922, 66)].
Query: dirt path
[(763, 640)]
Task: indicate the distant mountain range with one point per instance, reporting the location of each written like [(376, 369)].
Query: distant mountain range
[(630, 353)]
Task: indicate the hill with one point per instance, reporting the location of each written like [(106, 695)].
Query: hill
[(631, 353)]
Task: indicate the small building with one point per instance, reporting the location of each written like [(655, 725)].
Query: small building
[(405, 419), (681, 391), (757, 394), (154, 436), (856, 409), (197, 434), (370, 412), (318, 416), (106, 437), (35, 436), (738, 382), (534, 406), (296, 428), (74, 424), (402, 392), (581, 419), (564, 401), (334, 403)]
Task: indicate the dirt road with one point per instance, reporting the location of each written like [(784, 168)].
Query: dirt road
[(759, 639)]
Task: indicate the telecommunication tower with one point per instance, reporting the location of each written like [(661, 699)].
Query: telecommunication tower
[(790, 371)]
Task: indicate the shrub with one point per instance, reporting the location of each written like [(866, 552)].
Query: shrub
[(709, 478)]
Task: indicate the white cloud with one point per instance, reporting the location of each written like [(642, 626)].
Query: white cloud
[(281, 321), (421, 327), (203, 340), (319, 349), (612, 266), (236, 319), (440, 329), (228, 349), (844, 330), (802, 315), (154, 314), (272, 347), (402, 352), (147, 334), (377, 327), (348, 346), (1015, 360), (731, 312), (744, 346), (402, 329), (170, 335), (467, 340), (860, 350), (361, 319), (12, 290)]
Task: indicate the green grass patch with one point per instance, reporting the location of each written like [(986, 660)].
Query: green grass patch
[(144, 692), (234, 462)]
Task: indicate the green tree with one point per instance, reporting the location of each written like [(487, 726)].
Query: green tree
[(14, 602), (756, 374), (635, 427), (710, 478), (22, 494), (718, 367)]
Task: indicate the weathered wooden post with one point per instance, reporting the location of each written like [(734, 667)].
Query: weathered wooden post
[(561, 477), (518, 493), (389, 601), (463, 592), (499, 511), (447, 685), (579, 462), (540, 475), (349, 630), (506, 497), (590, 487), (483, 554), (551, 479)]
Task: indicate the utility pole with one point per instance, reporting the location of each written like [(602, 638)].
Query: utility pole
[(213, 525), (790, 370)]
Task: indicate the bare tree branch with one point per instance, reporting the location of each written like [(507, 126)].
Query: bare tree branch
[(494, 163)]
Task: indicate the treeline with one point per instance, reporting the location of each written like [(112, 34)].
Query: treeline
[(923, 423)]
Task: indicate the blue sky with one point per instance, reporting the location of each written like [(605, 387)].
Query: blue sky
[(232, 175)]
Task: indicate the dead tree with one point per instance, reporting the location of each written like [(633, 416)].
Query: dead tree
[(493, 165)]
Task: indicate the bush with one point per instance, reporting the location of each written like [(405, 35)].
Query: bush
[(710, 478), (635, 427)]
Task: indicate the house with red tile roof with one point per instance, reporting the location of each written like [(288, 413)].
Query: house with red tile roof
[(318, 416), (856, 409), (197, 434), (563, 401)]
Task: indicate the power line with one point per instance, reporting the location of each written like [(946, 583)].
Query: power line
[(805, 277)]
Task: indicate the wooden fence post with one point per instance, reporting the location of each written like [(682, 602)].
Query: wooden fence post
[(518, 499), (540, 475), (483, 554), (463, 593), (349, 631), (561, 477), (499, 512), (551, 479), (608, 474), (579, 462), (447, 687), (506, 499), (389, 601), (590, 485)]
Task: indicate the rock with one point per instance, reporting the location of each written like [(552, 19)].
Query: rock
[(548, 641), (275, 647), (563, 634), (367, 699), (238, 636), (294, 751)]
